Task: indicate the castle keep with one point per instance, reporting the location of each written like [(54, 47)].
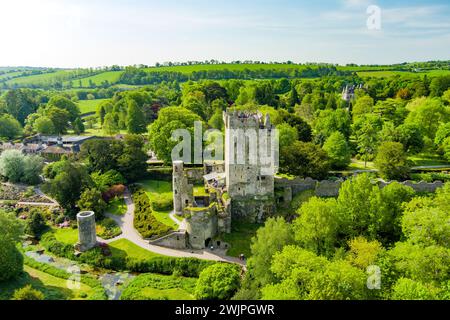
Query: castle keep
[(241, 187)]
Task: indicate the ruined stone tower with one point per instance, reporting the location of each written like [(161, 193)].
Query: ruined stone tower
[(87, 237), (250, 164), (182, 190)]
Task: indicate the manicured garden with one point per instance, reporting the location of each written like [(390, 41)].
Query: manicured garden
[(161, 197)]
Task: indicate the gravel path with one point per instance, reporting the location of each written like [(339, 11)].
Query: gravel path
[(125, 223)]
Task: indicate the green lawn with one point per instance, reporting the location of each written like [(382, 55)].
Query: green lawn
[(151, 286), (96, 131), (66, 235), (52, 287), (427, 160), (89, 106), (359, 165), (155, 187), (240, 238), (163, 217), (124, 248), (117, 207)]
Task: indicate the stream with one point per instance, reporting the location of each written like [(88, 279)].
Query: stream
[(113, 282)]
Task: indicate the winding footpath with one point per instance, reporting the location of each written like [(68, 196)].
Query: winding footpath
[(125, 223)]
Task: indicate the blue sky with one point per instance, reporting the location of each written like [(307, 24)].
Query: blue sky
[(70, 33)]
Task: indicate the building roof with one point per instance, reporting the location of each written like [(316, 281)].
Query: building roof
[(56, 150), (214, 176), (66, 139)]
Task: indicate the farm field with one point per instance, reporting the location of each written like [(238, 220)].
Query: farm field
[(40, 79), (10, 74), (387, 74), (89, 106), (110, 76)]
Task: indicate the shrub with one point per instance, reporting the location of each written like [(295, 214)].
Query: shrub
[(407, 289), (144, 221), (219, 281), (17, 167), (162, 202), (113, 192), (28, 293), (107, 228), (35, 223), (161, 288), (11, 262), (91, 199), (107, 179)]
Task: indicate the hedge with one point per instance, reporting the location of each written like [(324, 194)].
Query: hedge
[(144, 220)]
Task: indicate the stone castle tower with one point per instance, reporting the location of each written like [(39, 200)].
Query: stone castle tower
[(249, 164), (182, 190)]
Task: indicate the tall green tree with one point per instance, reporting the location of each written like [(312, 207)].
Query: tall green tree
[(135, 118), (10, 128), (392, 161), (338, 150), (269, 239), (11, 231)]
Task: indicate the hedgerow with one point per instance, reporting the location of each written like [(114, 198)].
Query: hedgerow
[(144, 220)]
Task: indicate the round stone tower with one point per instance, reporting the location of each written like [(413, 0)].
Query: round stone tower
[(87, 237)]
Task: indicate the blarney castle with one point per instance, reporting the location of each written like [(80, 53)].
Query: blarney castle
[(240, 187)]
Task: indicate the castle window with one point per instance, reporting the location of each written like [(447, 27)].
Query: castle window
[(176, 192)]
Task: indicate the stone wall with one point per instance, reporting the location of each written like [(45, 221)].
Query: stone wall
[(421, 186), (330, 188), (175, 240)]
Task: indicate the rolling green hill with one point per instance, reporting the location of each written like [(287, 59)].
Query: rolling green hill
[(111, 76)]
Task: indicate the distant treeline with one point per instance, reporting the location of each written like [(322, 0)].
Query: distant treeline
[(135, 76)]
